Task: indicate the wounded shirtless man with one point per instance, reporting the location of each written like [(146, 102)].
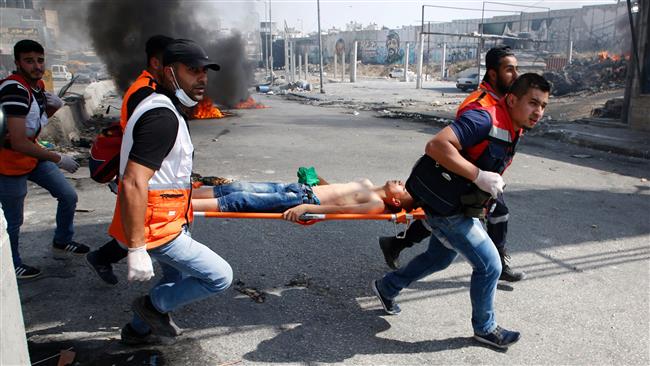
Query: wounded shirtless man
[(295, 199)]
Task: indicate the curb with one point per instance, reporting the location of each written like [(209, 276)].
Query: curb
[(574, 138)]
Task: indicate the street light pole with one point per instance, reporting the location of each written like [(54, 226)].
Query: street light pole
[(320, 48)]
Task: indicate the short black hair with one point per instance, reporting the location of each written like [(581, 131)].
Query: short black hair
[(494, 55), (529, 81), (26, 46), (156, 45)]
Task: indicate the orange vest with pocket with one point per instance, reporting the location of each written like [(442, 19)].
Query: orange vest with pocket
[(169, 205)]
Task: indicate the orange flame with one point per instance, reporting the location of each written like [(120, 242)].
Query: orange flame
[(603, 55), (249, 103), (205, 109)]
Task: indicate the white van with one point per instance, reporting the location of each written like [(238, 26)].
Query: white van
[(60, 72)]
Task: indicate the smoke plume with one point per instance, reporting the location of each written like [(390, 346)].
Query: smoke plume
[(118, 30)]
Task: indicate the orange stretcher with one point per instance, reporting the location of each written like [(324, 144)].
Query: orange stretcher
[(402, 217)]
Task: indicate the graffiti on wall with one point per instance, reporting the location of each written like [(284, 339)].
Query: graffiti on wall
[(393, 51)]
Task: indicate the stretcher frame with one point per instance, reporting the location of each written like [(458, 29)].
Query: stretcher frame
[(401, 217)]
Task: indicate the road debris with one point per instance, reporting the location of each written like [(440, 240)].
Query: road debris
[(255, 294)]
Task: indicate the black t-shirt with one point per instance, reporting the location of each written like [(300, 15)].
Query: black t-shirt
[(154, 133), (15, 102)]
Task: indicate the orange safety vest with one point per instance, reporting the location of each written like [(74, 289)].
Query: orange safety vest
[(496, 152), (13, 162), (144, 80), (484, 95), (169, 189)]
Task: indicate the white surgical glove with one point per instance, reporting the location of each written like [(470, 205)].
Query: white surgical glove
[(139, 264), (67, 163), (53, 100), (490, 182)]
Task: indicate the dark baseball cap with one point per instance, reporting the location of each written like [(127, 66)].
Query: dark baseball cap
[(189, 53)]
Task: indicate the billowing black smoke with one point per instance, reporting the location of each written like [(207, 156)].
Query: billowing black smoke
[(120, 28)]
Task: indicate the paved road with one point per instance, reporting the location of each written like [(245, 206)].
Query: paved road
[(579, 228)]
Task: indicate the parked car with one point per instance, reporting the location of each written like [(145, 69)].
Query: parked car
[(469, 82), (60, 72), (84, 78), (399, 73)]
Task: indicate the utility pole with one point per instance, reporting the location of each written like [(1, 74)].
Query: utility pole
[(418, 80), (320, 48), (353, 64), (266, 43), (443, 65), (286, 51), (271, 47), (406, 63)]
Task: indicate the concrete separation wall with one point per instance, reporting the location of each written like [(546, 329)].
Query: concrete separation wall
[(64, 126), (13, 348)]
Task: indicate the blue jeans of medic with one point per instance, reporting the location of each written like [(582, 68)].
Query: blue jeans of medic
[(190, 272), (262, 197), (453, 235), (13, 190)]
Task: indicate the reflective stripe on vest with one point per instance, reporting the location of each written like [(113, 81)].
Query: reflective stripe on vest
[(169, 189), (13, 162), (500, 134)]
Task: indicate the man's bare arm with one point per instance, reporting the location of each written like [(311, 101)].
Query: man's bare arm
[(445, 148), (20, 143), (133, 198), (372, 207)]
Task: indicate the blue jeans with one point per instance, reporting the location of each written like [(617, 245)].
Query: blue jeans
[(13, 190), (190, 272), (453, 235), (262, 197)]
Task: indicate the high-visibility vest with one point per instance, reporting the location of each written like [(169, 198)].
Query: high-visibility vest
[(495, 153), (144, 80), (13, 162), (169, 189), (484, 95)]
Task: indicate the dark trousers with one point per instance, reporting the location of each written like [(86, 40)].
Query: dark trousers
[(110, 253)]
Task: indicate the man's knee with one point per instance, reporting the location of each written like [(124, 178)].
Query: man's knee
[(221, 279), (68, 196)]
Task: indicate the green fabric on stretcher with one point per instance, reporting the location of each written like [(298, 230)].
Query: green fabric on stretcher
[(307, 176)]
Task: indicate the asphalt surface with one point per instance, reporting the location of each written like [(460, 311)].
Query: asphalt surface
[(579, 228)]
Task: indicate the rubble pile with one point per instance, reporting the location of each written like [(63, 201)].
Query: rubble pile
[(613, 109), (594, 74)]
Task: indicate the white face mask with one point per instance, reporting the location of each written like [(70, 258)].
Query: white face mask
[(181, 95)]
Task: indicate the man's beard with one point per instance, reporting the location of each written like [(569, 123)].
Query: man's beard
[(501, 86), (28, 75)]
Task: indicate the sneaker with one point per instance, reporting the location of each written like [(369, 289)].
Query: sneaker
[(499, 338), (103, 271), (71, 248), (24, 271), (130, 337), (161, 323), (390, 249), (390, 306)]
